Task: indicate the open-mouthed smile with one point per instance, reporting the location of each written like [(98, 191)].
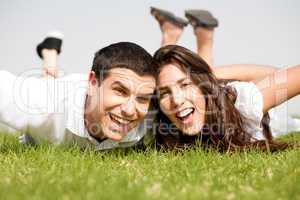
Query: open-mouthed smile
[(185, 116), (120, 124)]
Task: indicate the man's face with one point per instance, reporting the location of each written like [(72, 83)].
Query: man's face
[(119, 103)]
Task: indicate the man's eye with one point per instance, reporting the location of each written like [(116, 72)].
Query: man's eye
[(120, 91)]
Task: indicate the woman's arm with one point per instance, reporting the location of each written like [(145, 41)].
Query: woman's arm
[(279, 86), (243, 72)]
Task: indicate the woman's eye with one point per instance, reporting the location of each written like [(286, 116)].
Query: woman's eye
[(163, 94), (183, 85), (143, 99)]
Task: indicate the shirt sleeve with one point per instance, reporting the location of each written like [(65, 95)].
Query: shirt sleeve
[(23, 101), (249, 102)]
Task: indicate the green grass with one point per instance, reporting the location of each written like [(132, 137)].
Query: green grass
[(48, 172)]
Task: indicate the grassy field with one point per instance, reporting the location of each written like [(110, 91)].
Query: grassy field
[(48, 172)]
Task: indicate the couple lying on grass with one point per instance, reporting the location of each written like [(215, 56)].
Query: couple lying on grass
[(129, 97)]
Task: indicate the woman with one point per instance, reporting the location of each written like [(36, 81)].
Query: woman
[(202, 107)]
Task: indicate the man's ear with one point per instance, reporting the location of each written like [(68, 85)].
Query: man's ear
[(92, 78), (93, 83)]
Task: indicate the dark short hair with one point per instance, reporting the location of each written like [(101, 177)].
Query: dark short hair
[(123, 55)]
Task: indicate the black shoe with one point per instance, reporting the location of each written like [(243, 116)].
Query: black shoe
[(169, 17), (201, 18), (53, 40)]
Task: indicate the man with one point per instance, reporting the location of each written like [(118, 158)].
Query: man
[(107, 110)]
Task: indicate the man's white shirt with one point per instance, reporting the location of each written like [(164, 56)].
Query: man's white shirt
[(52, 110)]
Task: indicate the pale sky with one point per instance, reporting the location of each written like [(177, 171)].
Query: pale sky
[(250, 31)]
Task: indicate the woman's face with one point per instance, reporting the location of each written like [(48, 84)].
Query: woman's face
[(180, 99)]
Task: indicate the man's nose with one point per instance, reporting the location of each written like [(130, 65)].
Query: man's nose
[(128, 108)]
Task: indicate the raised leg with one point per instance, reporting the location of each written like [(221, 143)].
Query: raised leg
[(48, 50), (171, 26), (204, 24), (50, 66), (170, 33), (205, 42)]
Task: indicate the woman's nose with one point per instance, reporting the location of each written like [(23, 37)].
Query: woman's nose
[(177, 98)]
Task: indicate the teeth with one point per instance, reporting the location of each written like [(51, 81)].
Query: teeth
[(120, 120), (185, 112)]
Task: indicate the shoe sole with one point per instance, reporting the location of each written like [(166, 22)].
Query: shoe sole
[(202, 18), (169, 17)]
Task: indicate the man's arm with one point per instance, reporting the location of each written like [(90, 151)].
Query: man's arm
[(243, 72)]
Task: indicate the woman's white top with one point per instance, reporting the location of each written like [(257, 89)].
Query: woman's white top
[(250, 104)]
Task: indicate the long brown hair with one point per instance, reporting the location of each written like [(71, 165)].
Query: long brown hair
[(220, 112)]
